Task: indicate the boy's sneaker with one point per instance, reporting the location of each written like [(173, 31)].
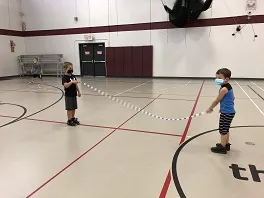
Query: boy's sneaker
[(75, 120), (71, 123), (219, 149), (227, 146)]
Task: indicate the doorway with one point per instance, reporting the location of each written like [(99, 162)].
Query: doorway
[(92, 59)]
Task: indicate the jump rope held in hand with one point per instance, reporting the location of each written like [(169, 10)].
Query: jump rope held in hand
[(131, 106)]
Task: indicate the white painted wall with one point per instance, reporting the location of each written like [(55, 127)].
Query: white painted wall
[(10, 20), (176, 54), (9, 64), (50, 14), (9, 14), (197, 56)]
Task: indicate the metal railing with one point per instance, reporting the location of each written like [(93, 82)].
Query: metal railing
[(52, 64)]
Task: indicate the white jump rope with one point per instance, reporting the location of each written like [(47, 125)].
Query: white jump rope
[(131, 106)]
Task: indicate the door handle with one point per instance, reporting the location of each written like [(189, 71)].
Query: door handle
[(99, 61)]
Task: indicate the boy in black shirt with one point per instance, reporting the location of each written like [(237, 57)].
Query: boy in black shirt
[(71, 88)]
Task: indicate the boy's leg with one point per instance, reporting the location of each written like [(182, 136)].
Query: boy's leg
[(32, 78), (69, 114), (69, 107), (70, 121), (229, 120), (73, 115), (224, 126), (221, 148), (40, 78), (40, 81), (224, 140)]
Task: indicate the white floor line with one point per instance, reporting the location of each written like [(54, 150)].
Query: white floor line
[(183, 84), (175, 87), (257, 85), (132, 88), (250, 99)]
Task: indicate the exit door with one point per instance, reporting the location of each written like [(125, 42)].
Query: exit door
[(92, 58)]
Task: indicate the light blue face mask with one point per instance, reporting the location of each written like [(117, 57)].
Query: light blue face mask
[(219, 81)]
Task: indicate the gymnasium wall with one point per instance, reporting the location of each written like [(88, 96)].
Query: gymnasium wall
[(192, 52), (10, 30)]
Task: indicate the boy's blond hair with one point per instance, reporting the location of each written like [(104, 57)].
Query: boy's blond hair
[(66, 65)]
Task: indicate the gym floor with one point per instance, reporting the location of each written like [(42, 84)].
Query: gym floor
[(118, 152)]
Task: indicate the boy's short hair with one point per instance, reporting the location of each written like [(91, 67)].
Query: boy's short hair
[(66, 65), (226, 72)]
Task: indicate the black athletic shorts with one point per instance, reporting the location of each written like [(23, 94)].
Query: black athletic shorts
[(70, 103), (225, 122)]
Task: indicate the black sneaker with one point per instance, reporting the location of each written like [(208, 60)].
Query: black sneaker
[(219, 149), (75, 120), (71, 123), (227, 146)]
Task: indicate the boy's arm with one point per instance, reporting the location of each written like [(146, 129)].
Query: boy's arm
[(220, 96), (67, 85)]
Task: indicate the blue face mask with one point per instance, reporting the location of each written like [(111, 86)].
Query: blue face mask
[(219, 81)]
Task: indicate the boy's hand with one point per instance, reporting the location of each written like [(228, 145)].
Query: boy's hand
[(79, 94), (209, 110), (75, 82)]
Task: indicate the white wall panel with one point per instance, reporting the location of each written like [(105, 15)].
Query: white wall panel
[(9, 64), (50, 14), (9, 14), (176, 54), (10, 20)]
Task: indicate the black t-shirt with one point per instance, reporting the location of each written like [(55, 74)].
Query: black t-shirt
[(71, 91)]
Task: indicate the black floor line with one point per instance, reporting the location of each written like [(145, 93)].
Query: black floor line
[(22, 117), (256, 92), (177, 153), (17, 119), (62, 95)]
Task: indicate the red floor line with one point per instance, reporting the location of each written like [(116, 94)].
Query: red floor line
[(150, 132), (192, 113), (56, 175), (97, 126), (166, 184)]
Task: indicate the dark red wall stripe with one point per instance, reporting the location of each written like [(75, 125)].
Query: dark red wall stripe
[(11, 33), (147, 61), (128, 61), (119, 61), (137, 61), (137, 27), (148, 26), (110, 61)]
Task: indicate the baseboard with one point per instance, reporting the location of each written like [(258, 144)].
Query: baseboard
[(8, 77)]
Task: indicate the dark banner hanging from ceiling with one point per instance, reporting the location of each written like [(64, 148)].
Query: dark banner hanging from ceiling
[(186, 10)]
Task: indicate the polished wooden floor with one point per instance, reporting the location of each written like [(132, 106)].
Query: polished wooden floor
[(117, 152)]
